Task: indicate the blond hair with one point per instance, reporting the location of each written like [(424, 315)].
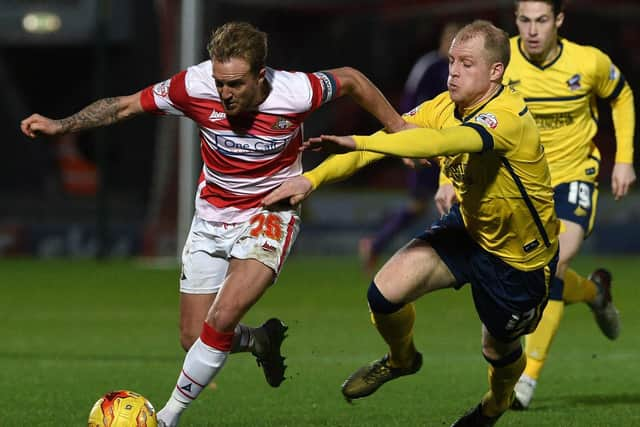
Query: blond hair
[(496, 40), (239, 40)]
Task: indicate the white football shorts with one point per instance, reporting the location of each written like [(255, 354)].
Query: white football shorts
[(267, 237)]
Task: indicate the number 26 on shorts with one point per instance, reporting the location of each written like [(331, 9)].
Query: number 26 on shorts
[(268, 224)]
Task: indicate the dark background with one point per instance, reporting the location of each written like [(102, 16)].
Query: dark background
[(58, 75)]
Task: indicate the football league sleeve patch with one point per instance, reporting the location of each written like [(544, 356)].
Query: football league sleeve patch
[(325, 87)]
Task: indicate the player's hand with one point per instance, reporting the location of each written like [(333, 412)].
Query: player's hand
[(36, 124), (445, 197), (622, 177), (416, 163), (330, 144), (295, 189)]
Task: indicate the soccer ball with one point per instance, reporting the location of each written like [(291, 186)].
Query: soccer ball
[(122, 408)]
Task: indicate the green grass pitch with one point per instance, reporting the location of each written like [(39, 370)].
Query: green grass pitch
[(72, 330)]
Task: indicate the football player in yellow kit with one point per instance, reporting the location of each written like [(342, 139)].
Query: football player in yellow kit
[(501, 237), (559, 81)]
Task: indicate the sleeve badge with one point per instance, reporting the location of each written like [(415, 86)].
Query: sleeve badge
[(162, 89), (487, 119)]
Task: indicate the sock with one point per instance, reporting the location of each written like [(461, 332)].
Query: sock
[(203, 361), (538, 342), (503, 376), (578, 288), (243, 339), (397, 330)]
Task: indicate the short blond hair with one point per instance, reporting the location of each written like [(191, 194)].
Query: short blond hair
[(239, 40), (496, 40)]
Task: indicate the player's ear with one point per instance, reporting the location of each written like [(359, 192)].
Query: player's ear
[(261, 75), (497, 70), (559, 20)]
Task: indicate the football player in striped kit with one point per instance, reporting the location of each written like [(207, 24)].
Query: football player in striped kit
[(250, 120)]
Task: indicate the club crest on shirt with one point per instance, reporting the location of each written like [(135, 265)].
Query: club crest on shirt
[(574, 82), (162, 89), (487, 119), (282, 123)]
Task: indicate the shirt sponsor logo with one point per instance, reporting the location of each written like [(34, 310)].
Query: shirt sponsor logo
[(553, 120), (249, 145), (217, 116), (162, 88), (574, 82), (487, 119)]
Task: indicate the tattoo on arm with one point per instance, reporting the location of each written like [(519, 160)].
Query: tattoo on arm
[(103, 112)]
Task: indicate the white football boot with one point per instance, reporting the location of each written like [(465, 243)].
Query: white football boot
[(524, 389)]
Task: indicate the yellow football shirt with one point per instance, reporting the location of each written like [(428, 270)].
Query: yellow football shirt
[(561, 95), (494, 159)]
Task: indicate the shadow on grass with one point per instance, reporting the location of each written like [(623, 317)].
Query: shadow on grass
[(88, 357), (604, 400)]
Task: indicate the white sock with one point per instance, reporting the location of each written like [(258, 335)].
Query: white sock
[(201, 364)]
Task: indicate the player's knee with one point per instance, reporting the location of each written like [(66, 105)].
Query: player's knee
[(562, 266), (225, 316), (378, 303), (187, 338), (498, 360)]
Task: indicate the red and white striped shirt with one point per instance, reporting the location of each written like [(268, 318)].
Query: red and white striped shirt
[(240, 166)]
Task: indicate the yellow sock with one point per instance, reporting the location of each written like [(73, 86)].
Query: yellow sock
[(578, 288), (502, 380), (538, 342), (397, 330)]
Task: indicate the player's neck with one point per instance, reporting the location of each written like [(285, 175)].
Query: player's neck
[(265, 90), (490, 93), (545, 57)]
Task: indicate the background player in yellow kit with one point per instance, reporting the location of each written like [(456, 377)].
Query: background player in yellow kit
[(559, 81), (501, 237)]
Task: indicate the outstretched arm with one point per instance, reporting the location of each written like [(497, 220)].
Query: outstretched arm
[(102, 112), (334, 168), (412, 143)]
